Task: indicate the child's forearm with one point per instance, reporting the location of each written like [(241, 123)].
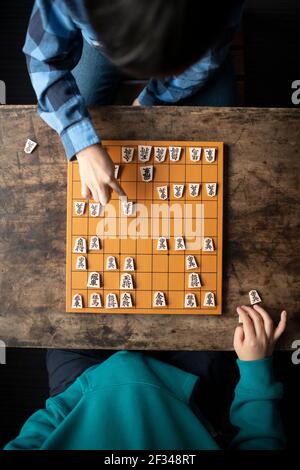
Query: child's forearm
[(255, 410)]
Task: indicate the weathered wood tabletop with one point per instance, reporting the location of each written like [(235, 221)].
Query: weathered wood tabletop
[(261, 234)]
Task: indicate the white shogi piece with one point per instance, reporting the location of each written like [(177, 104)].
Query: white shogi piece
[(178, 190), (194, 281), (95, 300), (81, 263), (179, 243), (194, 189), (111, 263), (79, 207), (94, 280), (126, 281), (209, 300), (77, 301), (147, 173), (159, 299), (254, 297), (144, 152), (195, 154), (116, 174), (29, 146), (95, 209), (162, 192), (129, 264), (160, 154), (210, 154), (125, 300), (162, 244), (111, 301), (211, 189), (190, 262), (80, 245), (208, 244), (128, 207), (127, 154), (175, 154), (94, 243), (190, 301)]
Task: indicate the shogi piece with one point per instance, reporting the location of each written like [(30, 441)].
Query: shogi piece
[(95, 300), (81, 263), (116, 173), (128, 208), (190, 262), (77, 301), (254, 297), (190, 301), (195, 154), (210, 154), (209, 300), (208, 244), (179, 243), (194, 281), (194, 189), (111, 301), (175, 154), (162, 192), (129, 264), (144, 152), (30, 146), (80, 245), (79, 207), (127, 154), (126, 300), (147, 173), (159, 299), (178, 190), (111, 263), (94, 243), (126, 281), (95, 209), (94, 280), (160, 154), (211, 189), (162, 244)]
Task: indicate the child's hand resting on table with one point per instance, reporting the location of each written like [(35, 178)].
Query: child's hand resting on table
[(256, 337), (97, 174)]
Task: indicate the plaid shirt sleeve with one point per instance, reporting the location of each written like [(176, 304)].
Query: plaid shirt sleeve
[(53, 47), (175, 88)]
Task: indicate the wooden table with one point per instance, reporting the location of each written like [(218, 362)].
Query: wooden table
[(261, 235)]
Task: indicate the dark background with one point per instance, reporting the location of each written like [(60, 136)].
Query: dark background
[(268, 62)]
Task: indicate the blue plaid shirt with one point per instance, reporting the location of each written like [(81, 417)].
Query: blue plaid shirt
[(53, 47)]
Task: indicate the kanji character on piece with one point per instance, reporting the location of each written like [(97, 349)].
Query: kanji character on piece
[(178, 190), (79, 207), (175, 153), (144, 152), (162, 243), (80, 245), (208, 244), (95, 300), (254, 297), (95, 208), (111, 301), (29, 146), (127, 154), (94, 243), (211, 189), (126, 281), (116, 173), (162, 192), (81, 263), (179, 243), (209, 300), (126, 300), (94, 280), (147, 173), (77, 301), (190, 262), (194, 189), (190, 301), (111, 263), (160, 154), (159, 299), (195, 154), (129, 264), (194, 281), (128, 207), (210, 154)]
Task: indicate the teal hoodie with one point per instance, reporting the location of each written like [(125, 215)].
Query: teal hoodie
[(133, 401)]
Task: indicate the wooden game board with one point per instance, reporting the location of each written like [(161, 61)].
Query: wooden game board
[(163, 271)]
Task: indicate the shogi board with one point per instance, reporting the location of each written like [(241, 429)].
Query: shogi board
[(163, 271)]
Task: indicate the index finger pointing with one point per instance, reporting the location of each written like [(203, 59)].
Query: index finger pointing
[(116, 187)]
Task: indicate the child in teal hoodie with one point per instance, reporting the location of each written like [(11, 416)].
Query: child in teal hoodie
[(134, 401)]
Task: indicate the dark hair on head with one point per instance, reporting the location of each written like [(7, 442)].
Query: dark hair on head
[(157, 37)]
